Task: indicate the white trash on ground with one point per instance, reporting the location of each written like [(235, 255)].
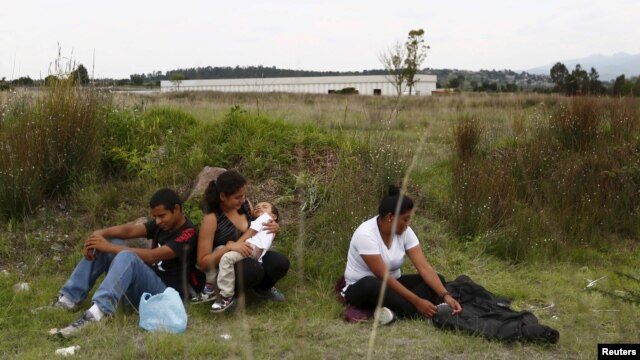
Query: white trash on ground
[(23, 286), (71, 350)]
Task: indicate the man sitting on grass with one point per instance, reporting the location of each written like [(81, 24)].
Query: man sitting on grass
[(131, 271)]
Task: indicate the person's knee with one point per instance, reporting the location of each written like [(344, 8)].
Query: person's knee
[(126, 256), (277, 264), (226, 259), (282, 266)]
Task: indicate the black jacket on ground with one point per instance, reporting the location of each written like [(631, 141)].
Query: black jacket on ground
[(487, 315)]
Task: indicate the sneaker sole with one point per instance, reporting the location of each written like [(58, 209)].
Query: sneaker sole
[(215, 311), (200, 300), (386, 316)]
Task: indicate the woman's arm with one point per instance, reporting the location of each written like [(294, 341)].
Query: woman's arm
[(377, 266), (207, 256), (206, 235), (431, 278)]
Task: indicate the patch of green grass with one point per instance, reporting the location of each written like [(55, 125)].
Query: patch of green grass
[(307, 325)]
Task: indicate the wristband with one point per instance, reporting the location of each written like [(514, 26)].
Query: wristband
[(444, 294)]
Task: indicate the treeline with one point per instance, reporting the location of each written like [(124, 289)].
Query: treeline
[(491, 80), (79, 75), (560, 80), (581, 82), (238, 72)]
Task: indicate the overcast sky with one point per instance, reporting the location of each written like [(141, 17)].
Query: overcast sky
[(116, 38)]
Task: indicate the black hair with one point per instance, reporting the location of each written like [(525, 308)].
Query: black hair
[(275, 212), (390, 202), (166, 197), (228, 183)]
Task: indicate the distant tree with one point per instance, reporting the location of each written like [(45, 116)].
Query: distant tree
[(618, 86), (178, 76), (636, 87), (137, 79), (578, 81), (50, 80), (627, 88), (560, 75), (595, 85), (401, 62), (80, 75), (393, 61), (22, 81), (510, 88), (4, 85), (416, 53), (454, 83), (123, 82)]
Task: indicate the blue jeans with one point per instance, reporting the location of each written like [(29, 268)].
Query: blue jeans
[(126, 275)]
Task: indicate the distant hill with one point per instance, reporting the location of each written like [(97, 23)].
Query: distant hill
[(608, 66)]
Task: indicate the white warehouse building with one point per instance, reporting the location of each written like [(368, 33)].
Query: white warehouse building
[(365, 85)]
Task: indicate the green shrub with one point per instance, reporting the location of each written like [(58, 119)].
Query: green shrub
[(261, 147), (139, 143)]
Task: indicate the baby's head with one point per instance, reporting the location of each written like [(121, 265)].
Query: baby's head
[(266, 208)]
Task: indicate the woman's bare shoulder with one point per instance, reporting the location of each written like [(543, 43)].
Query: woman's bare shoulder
[(210, 218)]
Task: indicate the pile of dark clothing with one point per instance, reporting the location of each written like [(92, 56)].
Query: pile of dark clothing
[(487, 315)]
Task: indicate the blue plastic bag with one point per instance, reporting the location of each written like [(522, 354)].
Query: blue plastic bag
[(163, 312)]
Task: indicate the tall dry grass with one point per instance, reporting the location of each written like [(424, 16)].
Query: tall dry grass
[(49, 139), (572, 183)]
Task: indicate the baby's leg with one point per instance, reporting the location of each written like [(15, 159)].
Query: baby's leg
[(227, 274)]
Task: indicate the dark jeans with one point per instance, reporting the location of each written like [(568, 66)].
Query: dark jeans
[(251, 274), (365, 292)]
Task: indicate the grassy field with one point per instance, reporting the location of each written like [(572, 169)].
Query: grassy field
[(327, 160)]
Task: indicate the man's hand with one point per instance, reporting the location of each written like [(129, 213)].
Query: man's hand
[(89, 254), (94, 243)]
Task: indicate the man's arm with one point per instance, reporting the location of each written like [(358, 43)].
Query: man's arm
[(125, 231), (149, 256), (98, 241)]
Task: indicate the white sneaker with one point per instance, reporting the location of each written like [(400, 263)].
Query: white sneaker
[(71, 330), (386, 316), (203, 297), (222, 304), (57, 303)]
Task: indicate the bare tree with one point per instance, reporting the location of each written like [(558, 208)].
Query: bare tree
[(394, 60), (402, 61)]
